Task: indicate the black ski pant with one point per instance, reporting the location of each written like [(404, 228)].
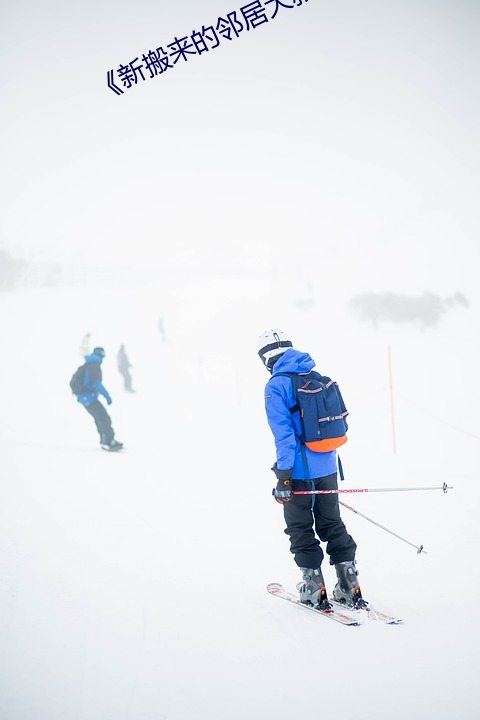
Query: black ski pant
[(102, 421), (310, 517)]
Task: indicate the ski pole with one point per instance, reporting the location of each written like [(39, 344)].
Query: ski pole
[(443, 487), (419, 548)]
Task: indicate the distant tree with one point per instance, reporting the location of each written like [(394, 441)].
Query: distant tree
[(460, 299), (427, 309), (10, 270)]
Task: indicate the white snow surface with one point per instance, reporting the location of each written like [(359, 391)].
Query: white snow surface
[(132, 585)]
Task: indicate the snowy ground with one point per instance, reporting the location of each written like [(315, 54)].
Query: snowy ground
[(133, 585)]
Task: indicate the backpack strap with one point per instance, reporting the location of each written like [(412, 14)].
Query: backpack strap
[(304, 458), (293, 377)]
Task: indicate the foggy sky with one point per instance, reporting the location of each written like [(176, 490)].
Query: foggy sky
[(347, 129)]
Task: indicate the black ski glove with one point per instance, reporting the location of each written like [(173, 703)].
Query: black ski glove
[(283, 492)]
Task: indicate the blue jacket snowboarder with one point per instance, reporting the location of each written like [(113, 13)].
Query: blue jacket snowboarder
[(88, 397), (309, 518)]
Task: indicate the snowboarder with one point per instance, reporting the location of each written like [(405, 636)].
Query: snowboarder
[(309, 518), (88, 397), (123, 364)]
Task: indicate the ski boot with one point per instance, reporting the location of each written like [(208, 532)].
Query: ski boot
[(347, 590), (312, 589)]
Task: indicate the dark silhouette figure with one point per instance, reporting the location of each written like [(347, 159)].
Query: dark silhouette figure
[(124, 368), (161, 329)]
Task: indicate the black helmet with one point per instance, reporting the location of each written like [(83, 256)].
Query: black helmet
[(99, 351)]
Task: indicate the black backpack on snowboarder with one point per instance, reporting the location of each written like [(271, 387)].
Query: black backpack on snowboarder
[(77, 382)]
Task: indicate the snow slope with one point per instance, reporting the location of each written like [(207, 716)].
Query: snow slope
[(133, 585)]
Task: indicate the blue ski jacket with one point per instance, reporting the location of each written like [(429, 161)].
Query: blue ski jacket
[(285, 426), (93, 381)]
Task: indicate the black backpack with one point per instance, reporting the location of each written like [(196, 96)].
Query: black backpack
[(77, 382)]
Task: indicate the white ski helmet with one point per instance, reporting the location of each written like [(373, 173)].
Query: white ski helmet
[(271, 344)]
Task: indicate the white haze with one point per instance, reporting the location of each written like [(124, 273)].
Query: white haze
[(331, 152), (349, 130)]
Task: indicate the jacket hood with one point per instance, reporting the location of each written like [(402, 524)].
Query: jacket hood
[(293, 361), (93, 358)]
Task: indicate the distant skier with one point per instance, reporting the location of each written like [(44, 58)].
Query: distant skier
[(85, 345), (124, 366), (300, 468), (161, 329), (87, 386)]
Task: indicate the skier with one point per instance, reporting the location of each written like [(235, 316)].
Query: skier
[(123, 364), (308, 518), (161, 329), (85, 345), (88, 397)]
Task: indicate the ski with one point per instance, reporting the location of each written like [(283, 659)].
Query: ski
[(371, 613), (336, 613)]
